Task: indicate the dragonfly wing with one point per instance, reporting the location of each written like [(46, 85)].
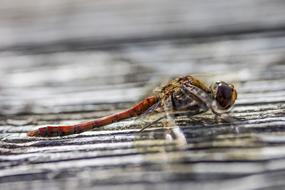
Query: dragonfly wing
[(189, 100), (153, 111)]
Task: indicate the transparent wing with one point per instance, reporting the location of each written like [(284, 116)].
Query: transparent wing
[(195, 102), (174, 133)]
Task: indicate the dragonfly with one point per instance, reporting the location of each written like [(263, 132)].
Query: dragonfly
[(182, 94)]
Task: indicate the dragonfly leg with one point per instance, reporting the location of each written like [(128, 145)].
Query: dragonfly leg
[(226, 117), (153, 122)]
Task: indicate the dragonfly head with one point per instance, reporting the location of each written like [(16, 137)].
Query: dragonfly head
[(225, 95)]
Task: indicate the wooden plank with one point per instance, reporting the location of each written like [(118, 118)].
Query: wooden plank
[(67, 62), (69, 24), (246, 154)]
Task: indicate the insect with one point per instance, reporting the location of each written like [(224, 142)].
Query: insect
[(184, 93)]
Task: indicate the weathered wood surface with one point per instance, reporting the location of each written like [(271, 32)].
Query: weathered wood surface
[(54, 25), (68, 86)]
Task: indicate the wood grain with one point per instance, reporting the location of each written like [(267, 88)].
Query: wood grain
[(41, 85)]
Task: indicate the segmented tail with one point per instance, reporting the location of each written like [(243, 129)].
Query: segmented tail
[(51, 131)]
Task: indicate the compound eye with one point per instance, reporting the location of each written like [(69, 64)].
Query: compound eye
[(225, 95)]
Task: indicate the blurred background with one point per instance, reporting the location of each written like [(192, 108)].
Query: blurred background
[(69, 61)]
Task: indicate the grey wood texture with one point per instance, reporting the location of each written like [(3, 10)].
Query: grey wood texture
[(82, 60), (38, 24)]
